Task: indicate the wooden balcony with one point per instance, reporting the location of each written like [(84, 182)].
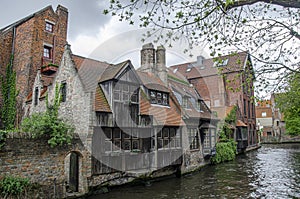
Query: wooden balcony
[(49, 69)]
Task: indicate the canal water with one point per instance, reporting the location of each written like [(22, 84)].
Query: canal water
[(273, 171)]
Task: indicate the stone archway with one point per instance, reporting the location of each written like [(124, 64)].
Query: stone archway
[(74, 172), (73, 175)]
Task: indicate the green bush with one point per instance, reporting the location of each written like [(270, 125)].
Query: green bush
[(49, 124), (225, 151), (13, 186)]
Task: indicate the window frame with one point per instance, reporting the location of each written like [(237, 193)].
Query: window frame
[(49, 27), (47, 52), (63, 91)]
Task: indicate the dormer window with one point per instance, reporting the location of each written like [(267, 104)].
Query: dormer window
[(185, 103), (159, 98), (49, 27)]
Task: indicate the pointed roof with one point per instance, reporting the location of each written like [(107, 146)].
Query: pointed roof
[(113, 70), (89, 71), (228, 63)]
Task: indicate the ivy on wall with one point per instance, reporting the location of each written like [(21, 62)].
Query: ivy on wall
[(226, 148), (48, 123), (9, 95)]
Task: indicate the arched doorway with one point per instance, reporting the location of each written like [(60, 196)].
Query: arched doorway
[(74, 172)]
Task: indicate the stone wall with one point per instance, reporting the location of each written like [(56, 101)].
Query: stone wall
[(36, 160)]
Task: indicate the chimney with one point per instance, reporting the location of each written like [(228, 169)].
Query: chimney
[(148, 58), (200, 60), (162, 71)]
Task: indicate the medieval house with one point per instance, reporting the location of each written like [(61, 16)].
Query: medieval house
[(35, 41), (130, 122)]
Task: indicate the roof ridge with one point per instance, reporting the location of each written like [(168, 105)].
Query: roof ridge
[(22, 20)]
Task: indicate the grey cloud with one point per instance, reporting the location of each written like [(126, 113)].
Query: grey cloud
[(85, 17)]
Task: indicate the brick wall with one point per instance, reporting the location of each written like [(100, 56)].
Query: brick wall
[(30, 39), (36, 160)]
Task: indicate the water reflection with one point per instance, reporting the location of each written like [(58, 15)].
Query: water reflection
[(273, 171)]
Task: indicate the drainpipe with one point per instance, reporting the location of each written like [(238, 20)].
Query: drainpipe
[(53, 50)]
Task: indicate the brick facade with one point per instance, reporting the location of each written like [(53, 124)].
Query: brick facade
[(26, 39)]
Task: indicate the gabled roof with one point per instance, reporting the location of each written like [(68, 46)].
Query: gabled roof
[(113, 70), (89, 71), (152, 82), (232, 63), (19, 22)]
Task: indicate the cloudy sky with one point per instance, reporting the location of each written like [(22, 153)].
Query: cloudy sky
[(91, 33)]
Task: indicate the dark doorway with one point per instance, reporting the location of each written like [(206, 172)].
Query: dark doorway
[(74, 172)]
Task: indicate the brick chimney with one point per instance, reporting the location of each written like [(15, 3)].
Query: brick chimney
[(154, 61), (162, 71), (148, 59)]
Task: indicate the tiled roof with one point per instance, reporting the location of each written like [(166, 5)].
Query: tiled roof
[(163, 115), (193, 70), (152, 82), (111, 71), (89, 71), (101, 103)]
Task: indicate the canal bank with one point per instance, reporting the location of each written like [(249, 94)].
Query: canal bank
[(158, 176), (272, 171)]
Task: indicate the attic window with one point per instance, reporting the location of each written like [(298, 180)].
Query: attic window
[(49, 27)]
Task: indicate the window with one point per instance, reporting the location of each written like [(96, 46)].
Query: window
[(160, 98), (193, 138), (36, 96), (168, 138), (185, 102), (63, 91), (264, 114), (117, 140), (104, 119), (47, 52), (49, 27), (153, 97)]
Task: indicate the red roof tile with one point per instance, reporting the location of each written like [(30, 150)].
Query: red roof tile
[(193, 70), (152, 82), (101, 103)]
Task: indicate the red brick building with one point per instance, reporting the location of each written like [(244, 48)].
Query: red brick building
[(35, 42), (223, 83)]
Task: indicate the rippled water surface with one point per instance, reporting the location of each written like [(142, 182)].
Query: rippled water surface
[(273, 171)]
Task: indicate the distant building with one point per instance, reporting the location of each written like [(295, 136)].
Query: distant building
[(270, 120), (277, 117), (36, 41), (264, 117), (223, 83)]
